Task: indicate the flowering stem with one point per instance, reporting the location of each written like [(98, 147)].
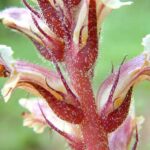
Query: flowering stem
[(94, 135), (95, 138)]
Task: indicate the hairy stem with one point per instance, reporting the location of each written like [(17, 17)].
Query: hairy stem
[(95, 138)]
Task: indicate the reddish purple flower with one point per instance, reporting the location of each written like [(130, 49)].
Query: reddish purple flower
[(67, 32)]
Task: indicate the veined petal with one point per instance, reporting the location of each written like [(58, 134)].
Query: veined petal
[(20, 70), (132, 72), (36, 119), (51, 77), (121, 138), (24, 71), (20, 19)]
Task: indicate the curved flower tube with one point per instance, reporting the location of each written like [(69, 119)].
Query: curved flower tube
[(131, 72)]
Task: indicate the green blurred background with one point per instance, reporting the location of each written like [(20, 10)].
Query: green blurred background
[(121, 35)]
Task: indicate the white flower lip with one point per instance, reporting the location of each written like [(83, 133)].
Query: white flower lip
[(6, 55), (146, 42), (115, 4), (9, 87)]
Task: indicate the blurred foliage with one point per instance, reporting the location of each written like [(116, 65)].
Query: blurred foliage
[(122, 33)]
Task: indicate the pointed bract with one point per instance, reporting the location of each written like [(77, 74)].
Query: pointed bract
[(115, 118)]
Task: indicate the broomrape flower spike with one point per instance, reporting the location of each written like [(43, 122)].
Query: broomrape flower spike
[(67, 32)]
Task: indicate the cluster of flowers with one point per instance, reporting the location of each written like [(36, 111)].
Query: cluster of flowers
[(67, 32)]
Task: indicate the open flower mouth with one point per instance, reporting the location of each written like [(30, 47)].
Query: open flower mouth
[(66, 32)]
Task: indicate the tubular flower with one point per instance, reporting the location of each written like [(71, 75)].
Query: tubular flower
[(67, 32)]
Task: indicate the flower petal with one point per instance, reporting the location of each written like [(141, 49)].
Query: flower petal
[(34, 122), (132, 72), (36, 118), (121, 138), (114, 4), (24, 71), (52, 78), (20, 19), (6, 58), (146, 42), (9, 87)]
